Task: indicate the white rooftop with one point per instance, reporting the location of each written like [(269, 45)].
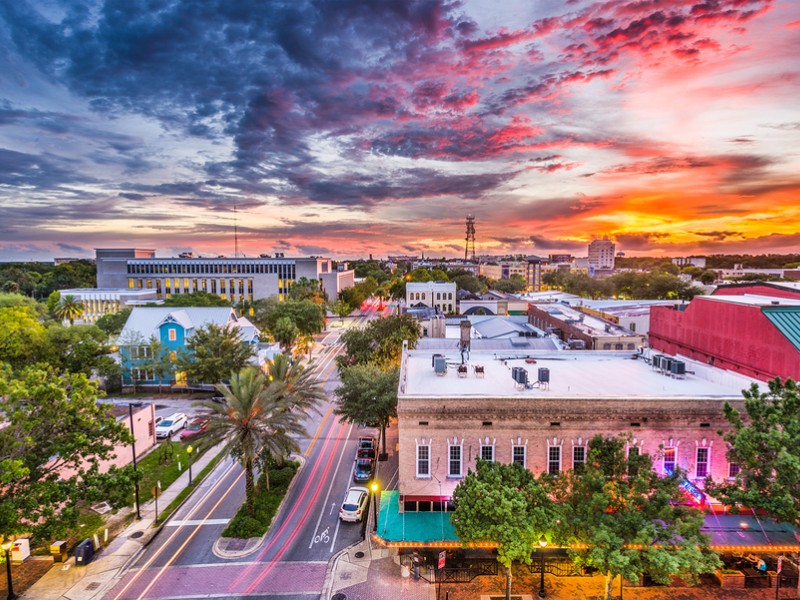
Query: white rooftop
[(573, 374), (753, 300), (588, 324)]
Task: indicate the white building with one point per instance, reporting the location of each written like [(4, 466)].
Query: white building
[(99, 302), (601, 255), (436, 294)]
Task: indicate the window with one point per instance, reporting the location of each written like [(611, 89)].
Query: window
[(733, 469), (578, 458), (487, 453), (172, 335), (554, 460), (518, 455), (702, 462), (669, 460), (423, 461), (454, 466)]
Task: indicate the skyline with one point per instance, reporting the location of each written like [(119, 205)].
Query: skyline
[(355, 127)]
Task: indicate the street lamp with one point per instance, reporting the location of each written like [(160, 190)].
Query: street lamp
[(7, 548), (543, 544), (189, 450), (375, 487)]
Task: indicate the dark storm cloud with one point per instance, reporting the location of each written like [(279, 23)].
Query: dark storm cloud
[(640, 241), (719, 235), (18, 169), (543, 243)]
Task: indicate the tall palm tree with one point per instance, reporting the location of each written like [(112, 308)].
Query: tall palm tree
[(295, 383), (69, 307), (255, 421)]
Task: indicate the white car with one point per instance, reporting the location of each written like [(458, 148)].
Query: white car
[(171, 425), (354, 504)]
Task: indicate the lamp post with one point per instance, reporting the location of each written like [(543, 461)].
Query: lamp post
[(543, 544), (135, 474), (375, 487), (189, 451), (7, 548)]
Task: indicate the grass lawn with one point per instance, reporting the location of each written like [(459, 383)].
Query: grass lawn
[(162, 465), (266, 503)]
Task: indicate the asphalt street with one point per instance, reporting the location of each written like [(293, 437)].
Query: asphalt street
[(292, 562)]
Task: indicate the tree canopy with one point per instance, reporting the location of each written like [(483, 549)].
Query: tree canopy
[(765, 444), (380, 342), (50, 452), (213, 353), (368, 396), (620, 517), (199, 298), (113, 323), (505, 504)]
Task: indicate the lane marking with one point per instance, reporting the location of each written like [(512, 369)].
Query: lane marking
[(198, 522)]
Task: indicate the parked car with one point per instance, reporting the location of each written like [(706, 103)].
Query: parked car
[(366, 447), (171, 425), (354, 504), (196, 427), (363, 469)]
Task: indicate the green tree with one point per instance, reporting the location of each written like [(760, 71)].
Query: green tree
[(504, 504), (22, 336), (368, 396), (157, 361), (55, 436), (621, 518), (765, 443), (397, 289), (308, 289), (199, 298), (340, 308), (69, 308), (380, 342), (514, 284), (285, 332), (708, 277), (469, 282), (113, 323), (256, 421), (77, 349), (294, 383), (307, 316), (213, 353)]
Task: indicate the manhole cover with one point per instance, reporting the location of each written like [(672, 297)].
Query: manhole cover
[(359, 554), (136, 535), (93, 586), (338, 597)]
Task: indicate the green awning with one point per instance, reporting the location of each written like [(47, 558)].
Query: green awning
[(787, 320), (418, 528)]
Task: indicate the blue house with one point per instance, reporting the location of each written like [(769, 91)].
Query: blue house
[(172, 327)]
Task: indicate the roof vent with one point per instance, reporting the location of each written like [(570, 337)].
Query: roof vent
[(520, 375), (775, 302), (439, 364)]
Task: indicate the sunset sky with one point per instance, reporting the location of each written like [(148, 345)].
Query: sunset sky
[(350, 127)]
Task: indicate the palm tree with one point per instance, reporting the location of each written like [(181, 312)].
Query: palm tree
[(295, 383), (255, 421), (69, 307)]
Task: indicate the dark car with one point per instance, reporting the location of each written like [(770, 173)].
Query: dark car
[(363, 470), (366, 447)]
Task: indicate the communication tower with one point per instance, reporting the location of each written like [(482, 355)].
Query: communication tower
[(470, 246)]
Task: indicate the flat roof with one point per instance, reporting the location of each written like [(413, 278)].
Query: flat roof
[(573, 374), (588, 324), (752, 300)]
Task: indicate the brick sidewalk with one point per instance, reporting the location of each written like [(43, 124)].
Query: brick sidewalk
[(25, 575)]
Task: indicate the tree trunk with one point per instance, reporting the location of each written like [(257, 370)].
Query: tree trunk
[(249, 488), (508, 583), (609, 584), (266, 474)]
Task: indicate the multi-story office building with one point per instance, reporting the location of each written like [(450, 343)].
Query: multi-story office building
[(530, 269), (601, 255), (234, 279)]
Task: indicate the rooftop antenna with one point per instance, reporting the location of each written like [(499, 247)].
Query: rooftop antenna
[(470, 238)]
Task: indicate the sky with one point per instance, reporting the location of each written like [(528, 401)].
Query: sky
[(349, 128)]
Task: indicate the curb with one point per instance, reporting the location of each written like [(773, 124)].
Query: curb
[(219, 552), (327, 584)]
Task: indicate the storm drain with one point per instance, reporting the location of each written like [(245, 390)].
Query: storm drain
[(136, 535)]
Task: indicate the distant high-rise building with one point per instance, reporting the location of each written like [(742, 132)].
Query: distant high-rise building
[(601, 255)]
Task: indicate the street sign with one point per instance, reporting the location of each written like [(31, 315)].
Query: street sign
[(442, 557)]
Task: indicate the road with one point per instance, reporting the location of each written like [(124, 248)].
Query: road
[(292, 562)]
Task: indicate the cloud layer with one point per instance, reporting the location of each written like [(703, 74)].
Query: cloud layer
[(356, 126)]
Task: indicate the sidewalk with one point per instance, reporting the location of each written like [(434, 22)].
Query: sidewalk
[(70, 582)]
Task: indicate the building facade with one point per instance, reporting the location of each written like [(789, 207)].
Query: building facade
[(601, 255), (234, 279), (583, 329), (451, 412), (758, 336), (172, 327), (100, 302), (440, 295)]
